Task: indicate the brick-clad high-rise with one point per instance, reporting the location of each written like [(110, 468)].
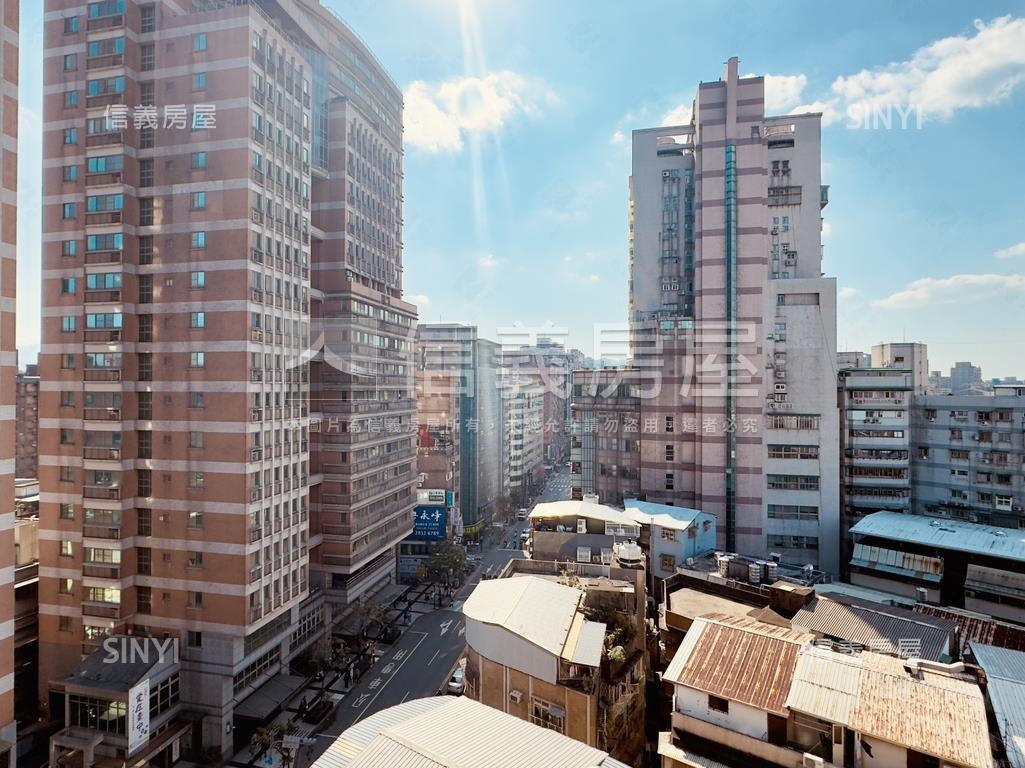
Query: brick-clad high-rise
[(8, 361), (188, 265)]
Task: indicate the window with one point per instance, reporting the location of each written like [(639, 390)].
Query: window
[(68, 324), (547, 715), (146, 249), (71, 25), (147, 18), (196, 560), (145, 211), (670, 452), (667, 562), (67, 512), (198, 161), (196, 400), (64, 624), (195, 439), (669, 424), (67, 549), (70, 62), (70, 99), (70, 211), (69, 285), (669, 481), (199, 279), (793, 482), (199, 202), (69, 248), (199, 42), (196, 480), (668, 534), (195, 600), (198, 240), (70, 137), (195, 639), (198, 320), (195, 519), (143, 600), (717, 704), (199, 81), (147, 57), (197, 360), (68, 362)]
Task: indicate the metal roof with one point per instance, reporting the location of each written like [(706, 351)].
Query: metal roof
[(1005, 674), (978, 628), (448, 732), (955, 535), (876, 626), (585, 642), (664, 515), (538, 610), (738, 659), (587, 509), (931, 712)]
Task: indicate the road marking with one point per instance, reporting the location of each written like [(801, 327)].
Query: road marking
[(374, 683), (387, 669), (404, 696), (405, 657), (462, 631), (429, 663), (444, 626), (359, 702)]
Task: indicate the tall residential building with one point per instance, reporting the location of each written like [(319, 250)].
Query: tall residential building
[(965, 378), (967, 456), (733, 326), (26, 430), (908, 356), (523, 444), (9, 28), (252, 189), (472, 366), (875, 445)]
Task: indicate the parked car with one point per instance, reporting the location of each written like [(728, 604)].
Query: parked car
[(456, 683), (522, 514)]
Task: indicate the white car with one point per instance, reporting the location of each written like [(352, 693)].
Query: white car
[(456, 684)]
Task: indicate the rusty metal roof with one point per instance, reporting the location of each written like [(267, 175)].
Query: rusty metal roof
[(978, 628), (877, 627), (739, 659)]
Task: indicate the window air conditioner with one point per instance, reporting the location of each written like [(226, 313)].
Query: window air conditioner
[(516, 696), (813, 761)]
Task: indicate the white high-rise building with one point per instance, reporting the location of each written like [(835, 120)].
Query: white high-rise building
[(733, 327)]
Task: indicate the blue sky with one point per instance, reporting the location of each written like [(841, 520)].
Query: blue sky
[(517, 155)]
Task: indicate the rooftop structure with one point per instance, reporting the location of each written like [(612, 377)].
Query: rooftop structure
[(1005, 688)]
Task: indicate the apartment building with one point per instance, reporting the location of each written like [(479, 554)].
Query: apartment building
[(471, 366), (9, 29), (523, 399), (875, 444), (539, 646), (968, 456), (26, 427), (909, 356), (218, 178), (732, 324)]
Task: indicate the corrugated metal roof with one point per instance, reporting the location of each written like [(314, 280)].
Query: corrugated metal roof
[(1005, 673), (739, 659), (585, 642), (978, 628), (875, 626), (538, 610), (932, 713), (955, 535), (678, 518), (588, 509), (825, 684), (457, 733)]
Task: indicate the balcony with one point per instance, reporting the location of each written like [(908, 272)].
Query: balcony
[(107, 297), (105, 22), (255, 494), (257, 216), (103, 336), (104, 62), (104, 100), (254, 574), (101, 452), (101, 492), (257, 136), (255, 533), (257, 256), (255, 613), (255, 375), (102, 374), (256, 454), (102, 217), (101, 532), (102, 414), (103, 257), (257, 176), (105, 139), (257, 335), (101, 570), (101, 179), (105, 610)]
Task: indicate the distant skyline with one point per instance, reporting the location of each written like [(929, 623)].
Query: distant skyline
[(517, 156)]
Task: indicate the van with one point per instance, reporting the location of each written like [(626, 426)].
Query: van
[(522, 514), (525, 536)]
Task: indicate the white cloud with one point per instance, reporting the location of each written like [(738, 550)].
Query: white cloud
[(488, 262), (678, 115), (827, 229), (1011, 252), (439, 116), (419, 299), (951, 290), (618, 137), (593, 278), (782, 92), (848, 293), (966, 71)]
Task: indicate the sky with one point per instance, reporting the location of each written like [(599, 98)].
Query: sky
[(517, 124)]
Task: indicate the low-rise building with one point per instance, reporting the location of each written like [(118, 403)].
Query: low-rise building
[(562, 646), (746, 693), (1005, 689), (446, 732), (942, 561)]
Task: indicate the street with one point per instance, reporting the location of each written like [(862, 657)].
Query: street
[(420, 662)]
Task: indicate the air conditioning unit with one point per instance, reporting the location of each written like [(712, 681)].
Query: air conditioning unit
[(665, 174), (813, 761), (516, 696)]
